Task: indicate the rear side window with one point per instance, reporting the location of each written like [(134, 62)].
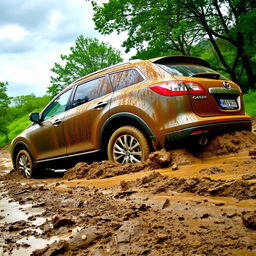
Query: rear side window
[(125, 78), (90, 90), (188, 70)]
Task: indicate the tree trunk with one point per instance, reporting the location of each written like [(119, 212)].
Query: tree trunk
[(221, 58), (249, 72)]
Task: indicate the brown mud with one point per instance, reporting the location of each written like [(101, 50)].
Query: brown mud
[(176, 203)]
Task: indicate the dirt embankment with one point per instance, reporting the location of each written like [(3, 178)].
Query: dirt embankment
[(154, 213), (231, 143)]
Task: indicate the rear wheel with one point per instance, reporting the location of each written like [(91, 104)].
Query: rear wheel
[(24, 164), (128, 145)]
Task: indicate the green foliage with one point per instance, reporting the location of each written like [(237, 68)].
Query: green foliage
[(250, 102), (15, 127), (87, 56), (26, 104), (157, 28), (17, 116), (4, 104)]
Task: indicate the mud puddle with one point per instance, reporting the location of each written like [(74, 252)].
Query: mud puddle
[(12, 211), (196, 205)]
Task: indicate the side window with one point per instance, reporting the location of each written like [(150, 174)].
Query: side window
[(58, 106), (90, 90), (125, 78)]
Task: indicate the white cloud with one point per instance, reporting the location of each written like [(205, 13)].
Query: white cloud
[(13, 32), (56, 18), (33, 35)]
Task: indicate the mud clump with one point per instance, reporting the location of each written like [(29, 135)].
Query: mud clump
[(249, 176), (157, 183), (249, 219), (12, 175), (211, 170), (252, 152), (61, 222), (57, 248), (107, 169), (230, 143), (159, 159), (183, 157)]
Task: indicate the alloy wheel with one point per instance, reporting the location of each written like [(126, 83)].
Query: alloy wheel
[(24, 166), (127, 149)]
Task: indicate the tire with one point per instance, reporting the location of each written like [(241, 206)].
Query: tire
[(128, 145), (25, 165)]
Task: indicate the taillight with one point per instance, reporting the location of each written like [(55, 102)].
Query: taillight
[(174, 88)]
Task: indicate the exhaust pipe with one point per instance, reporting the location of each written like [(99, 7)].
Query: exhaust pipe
[(203, 141)]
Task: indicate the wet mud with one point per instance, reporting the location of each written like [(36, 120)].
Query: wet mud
[(176, 203)]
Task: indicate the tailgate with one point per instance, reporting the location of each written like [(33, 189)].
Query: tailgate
[(221, 97)]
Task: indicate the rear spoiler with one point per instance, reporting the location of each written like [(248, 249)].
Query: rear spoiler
[(180, 59)]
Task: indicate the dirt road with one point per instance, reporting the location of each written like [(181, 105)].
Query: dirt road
[(201, 204)]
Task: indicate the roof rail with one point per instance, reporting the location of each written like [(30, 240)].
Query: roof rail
[(113, 66)]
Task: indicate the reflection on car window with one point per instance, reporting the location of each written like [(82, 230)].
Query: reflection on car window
[(186, 69), (125, 78), (90, 90), (57, 106)]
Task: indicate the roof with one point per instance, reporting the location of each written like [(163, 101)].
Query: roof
[(159, 60), (104, 69)]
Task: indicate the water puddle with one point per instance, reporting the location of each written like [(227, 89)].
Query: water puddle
[(11, 212), (27, 245), (37, 243)]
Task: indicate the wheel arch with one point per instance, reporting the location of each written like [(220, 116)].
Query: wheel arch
[(16, 149), (121, 119)]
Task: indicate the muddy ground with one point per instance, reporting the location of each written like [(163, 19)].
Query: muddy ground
[(198, 204)]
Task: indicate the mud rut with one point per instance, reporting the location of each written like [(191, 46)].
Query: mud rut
[(197, 205)]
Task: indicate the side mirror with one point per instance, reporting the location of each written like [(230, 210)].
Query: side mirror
[(34, 117)]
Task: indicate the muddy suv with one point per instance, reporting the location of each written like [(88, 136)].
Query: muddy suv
[(127, 110)]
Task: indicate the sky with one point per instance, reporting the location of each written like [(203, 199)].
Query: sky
[(33, 35)]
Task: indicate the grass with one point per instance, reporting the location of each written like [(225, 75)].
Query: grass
[(15, 128), (250, 103)]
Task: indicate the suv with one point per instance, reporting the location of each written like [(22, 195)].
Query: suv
[(129, 109)]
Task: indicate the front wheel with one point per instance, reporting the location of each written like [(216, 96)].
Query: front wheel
[(128, 145), (24, 164)]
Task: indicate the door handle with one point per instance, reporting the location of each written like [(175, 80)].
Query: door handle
[(57, 122), (101, 104)]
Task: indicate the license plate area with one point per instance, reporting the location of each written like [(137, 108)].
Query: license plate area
[(227, 104)]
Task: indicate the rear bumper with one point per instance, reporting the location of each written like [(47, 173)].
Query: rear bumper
[(183, 136)]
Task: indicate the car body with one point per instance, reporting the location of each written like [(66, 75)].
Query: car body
[(129, 109)]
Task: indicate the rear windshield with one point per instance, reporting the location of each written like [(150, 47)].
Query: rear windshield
[(188, 70)]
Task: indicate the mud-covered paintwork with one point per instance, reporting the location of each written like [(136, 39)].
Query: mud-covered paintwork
[(160, 117)]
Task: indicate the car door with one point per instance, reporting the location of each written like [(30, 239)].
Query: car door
[(90, 109), (47, 137)]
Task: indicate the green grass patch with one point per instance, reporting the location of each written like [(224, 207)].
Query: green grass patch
[(15, 128), (250, 103)]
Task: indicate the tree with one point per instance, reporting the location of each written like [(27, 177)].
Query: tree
[(87, 56), (179, 25), (25, 104), (4, 105)]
